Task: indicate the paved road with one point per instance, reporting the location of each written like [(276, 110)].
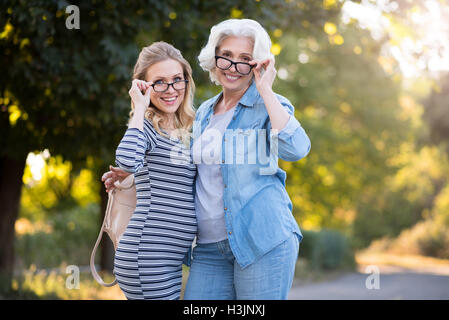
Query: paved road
[(394, 283)]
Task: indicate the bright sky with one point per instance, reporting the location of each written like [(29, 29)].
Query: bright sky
[(36, 162), (430, 24)]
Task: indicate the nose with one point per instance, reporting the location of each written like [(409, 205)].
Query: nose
[(171, 88), (233, 68)]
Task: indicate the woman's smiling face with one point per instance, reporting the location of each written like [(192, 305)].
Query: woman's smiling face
[(166, 71), (237, 49)]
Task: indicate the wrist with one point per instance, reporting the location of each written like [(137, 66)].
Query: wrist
[(139, 109), (266, 91)]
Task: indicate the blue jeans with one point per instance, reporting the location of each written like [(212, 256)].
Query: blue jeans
[(215, 274)]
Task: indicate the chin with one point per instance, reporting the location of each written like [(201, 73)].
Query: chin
[(170, 110), (165, 109)]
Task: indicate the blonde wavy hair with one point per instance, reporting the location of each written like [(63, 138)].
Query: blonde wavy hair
[(184, 116)]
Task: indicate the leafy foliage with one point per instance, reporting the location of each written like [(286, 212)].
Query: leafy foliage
[(436, 111), (70, 239), (327, 250), (68, 87)]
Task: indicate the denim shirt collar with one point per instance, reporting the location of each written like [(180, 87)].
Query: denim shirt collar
[(248, 99)]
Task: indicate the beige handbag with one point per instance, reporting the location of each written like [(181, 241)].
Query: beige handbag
[(120, 208)]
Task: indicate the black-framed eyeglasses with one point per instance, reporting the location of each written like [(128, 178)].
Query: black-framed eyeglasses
[(163, 86), (224, 64)]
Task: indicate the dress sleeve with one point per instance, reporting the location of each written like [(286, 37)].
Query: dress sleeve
[(130, 153)]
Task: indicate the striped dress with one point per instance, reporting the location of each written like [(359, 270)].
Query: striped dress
[(148, 259)]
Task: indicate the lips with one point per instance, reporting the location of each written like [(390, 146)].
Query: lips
[(169, 100), (231, 78)]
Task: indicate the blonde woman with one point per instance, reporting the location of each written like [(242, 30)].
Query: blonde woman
[(149, 256)]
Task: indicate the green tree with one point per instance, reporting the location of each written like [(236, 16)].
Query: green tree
[(436, 112)]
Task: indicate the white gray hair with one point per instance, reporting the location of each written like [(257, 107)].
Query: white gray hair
[(235, 27)]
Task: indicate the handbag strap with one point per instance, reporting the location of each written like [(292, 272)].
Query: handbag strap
[(92, 256)]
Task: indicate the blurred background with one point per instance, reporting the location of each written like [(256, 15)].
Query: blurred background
[(370, 84)]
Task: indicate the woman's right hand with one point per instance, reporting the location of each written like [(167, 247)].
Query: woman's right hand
[(140, 100), (110, 177)]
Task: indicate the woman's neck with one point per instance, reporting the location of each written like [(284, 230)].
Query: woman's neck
[(230, 97), (169, 123)]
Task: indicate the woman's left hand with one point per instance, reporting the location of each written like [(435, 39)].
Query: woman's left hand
[(110, 177), (264, 82)]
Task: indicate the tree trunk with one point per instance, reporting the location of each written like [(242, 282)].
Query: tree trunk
[(107, 247), (11, 172)]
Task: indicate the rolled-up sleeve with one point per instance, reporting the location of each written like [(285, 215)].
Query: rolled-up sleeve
[(130, 153), (293, 143)]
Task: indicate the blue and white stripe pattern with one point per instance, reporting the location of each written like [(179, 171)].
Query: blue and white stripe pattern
[(148, 259)]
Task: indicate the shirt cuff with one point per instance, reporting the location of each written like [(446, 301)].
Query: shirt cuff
[(289, 128)]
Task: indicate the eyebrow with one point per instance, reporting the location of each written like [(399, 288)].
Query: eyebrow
[(241, 54), (171, 77)]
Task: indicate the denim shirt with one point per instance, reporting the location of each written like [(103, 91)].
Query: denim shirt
[(258, 210)]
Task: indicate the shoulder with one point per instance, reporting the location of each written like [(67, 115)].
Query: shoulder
[(205, 106), (148, 124), (149, 130), (283, 101)]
